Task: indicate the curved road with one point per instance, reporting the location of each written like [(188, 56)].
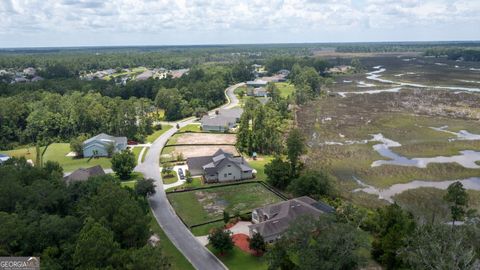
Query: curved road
[(198, 255)]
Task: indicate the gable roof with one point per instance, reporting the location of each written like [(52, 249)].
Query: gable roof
[(233, 112), (217, 120), (84, 174), (281, 214), (212, 164), (105, 138)]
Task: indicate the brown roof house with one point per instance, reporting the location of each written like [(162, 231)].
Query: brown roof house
[(273, 220), (83, 174)]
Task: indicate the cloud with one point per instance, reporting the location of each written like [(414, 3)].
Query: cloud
[(185, 17)]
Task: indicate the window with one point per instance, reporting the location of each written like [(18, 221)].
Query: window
[(229, 173), (229, 165), (225, 175)]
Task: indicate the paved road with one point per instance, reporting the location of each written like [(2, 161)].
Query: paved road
[(199, 256)]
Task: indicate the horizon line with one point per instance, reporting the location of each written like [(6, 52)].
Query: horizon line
[(237, 44)]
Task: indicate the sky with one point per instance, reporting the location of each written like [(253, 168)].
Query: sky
[(57, 23)]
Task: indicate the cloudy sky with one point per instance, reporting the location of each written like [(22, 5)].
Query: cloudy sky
[(29, 23)]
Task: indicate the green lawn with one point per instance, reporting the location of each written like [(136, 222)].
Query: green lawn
[(286, 89), (197, 182), (57, 151), (151, 138), (190, 128), (238, 259), (145, 154), (29, 152), (259, 165), (167, 151), (136, 151), (170, 178), (178, 261), (205, 229), (200, 206)]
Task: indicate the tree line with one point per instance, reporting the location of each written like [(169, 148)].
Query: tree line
[(94, 224), (48, 117)]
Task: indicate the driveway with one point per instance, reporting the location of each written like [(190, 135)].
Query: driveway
[(199, 256)]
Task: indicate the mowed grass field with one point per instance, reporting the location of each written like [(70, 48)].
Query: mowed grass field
[(204, 205), (237, 259), (151, 138), (58, 151), (28, 152), (286, 89)]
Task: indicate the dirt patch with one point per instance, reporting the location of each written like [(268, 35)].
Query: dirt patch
[(213, 205), (206, 138), (202, 150)]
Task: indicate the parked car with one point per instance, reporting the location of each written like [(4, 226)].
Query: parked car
[(132, 142), (180, 174)]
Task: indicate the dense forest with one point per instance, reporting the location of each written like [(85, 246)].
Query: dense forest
[(455, 53), (85, 225), (403, 46)]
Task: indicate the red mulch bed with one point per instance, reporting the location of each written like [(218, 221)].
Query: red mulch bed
[(241, 241)]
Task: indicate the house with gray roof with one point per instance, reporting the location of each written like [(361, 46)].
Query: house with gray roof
[(220, 167), (257, 83), (3, 158), (223, 121), (83, 174), (99, 145), (273, 220)]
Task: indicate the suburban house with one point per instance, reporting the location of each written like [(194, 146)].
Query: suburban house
[(272, 220), (257, 92), (98, 146), (222, 121), (83, 174), (257, 83), (3, 158), (221, 167)]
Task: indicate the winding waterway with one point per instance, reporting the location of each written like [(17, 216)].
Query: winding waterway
[(465, 158)]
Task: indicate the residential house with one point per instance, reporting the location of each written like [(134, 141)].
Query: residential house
[(257, 92), (3, 158), (99, 145), (273, 220), (30, 71), (223, 121), (84, 174), (221, 167), (257, 83)]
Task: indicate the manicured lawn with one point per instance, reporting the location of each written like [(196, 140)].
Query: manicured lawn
[(145, 154), (151, 138), (28, 152), (200, 206), (259, 165), (238, 259), (286, 89), (170, 178), (205, 229), (136, 151), (178, 261), (57, 151), (190, 128), (197, 182)]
